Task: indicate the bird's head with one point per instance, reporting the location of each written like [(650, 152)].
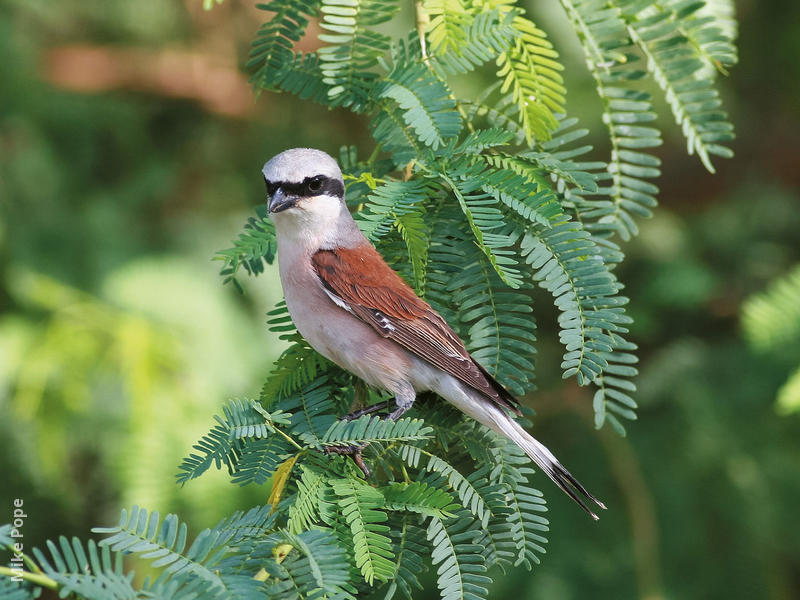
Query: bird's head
[(305, 192)]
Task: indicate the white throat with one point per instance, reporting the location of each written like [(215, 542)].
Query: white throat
[(311, 225)]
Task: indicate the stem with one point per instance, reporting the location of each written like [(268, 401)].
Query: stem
[(25, 558), (641, 511), (374, 155), (290, 439), (35, 578), (422, 21)]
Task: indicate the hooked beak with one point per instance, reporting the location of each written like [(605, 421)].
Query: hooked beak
[(281, 201)]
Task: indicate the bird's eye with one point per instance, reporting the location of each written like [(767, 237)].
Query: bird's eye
[(315, 185)]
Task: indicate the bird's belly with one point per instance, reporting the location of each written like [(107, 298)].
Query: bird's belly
[(345, 340)]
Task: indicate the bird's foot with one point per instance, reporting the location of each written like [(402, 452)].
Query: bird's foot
[(398, 412), (366, 411), (354, 451)]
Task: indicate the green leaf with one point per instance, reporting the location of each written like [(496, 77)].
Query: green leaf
[(447, 29), (426, 104), (259, 459), (531, 72), (458, 558), (409, 548), (368, 429), (419, 497), (254, 247), (304, 511), (361, 508), (771, 319), (482, 38), (353, 48), (272, 50), (164, 543), (675, 63)]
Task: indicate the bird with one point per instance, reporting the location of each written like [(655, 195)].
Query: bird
[(357, 312)]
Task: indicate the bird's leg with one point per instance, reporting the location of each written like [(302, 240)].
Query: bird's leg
[(355, 450), (404, 400), (360, 399), (365, 411)]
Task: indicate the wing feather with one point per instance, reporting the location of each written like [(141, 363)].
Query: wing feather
[(360, 281)]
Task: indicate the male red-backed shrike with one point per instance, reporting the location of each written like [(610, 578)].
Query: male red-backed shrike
[(357, 312)]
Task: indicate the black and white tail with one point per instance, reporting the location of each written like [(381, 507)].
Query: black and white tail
[(548, 463), (490, 414)]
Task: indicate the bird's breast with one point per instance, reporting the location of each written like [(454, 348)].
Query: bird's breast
[(335, 333)]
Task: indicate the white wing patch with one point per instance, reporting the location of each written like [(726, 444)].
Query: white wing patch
[(383, 321), (337, 301)]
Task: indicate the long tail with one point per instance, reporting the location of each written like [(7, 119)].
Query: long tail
[(485, 411), (548, 463)]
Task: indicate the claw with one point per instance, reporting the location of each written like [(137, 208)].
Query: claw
[(354, 452)]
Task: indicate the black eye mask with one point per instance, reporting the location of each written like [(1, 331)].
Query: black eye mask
[(311, 186)]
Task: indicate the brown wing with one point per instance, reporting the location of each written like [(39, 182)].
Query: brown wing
[(359, 280)]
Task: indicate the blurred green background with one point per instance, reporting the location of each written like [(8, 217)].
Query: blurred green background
[(130, 149)]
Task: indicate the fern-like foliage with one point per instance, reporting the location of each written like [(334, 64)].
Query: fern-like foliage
[(458, 559), (771, 319), (675, 45), (304, 511), (254, 247), (86, 570), (311, 408), (723, 13), (477, 40), (315, 567), (227, 561), (321, 490), (771, 323), (272, 53), (165, 543), (498, 322), (531, 74), (448, 22), (627, 113), (523, 524), (470, 496), (387, 203), (369, 429), (475, 201), (409, 549), (15, 590), (361, 509), (259, 460), (353, 48), (397, 205), (425, 103), (218, 447), (419, 497)]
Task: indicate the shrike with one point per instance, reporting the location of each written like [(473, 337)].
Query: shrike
[(357, 312)]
